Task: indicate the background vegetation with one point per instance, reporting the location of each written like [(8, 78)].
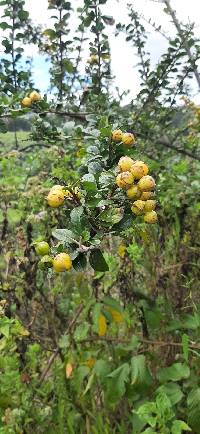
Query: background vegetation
[(111, 346)]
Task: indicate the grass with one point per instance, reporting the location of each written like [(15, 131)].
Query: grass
[(8, 139)]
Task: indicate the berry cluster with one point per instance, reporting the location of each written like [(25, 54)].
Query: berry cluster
[(31, 98), (139, 186)]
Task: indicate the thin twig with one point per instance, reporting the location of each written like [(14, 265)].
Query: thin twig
[(185, 42), (143, 341), (53, 356)]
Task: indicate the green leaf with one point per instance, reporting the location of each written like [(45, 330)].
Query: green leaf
[(164, 406), (102, 369), (149, 431), (112, 216), (64, 235), (14, 215), (94, 167), (173, 391), (193, 402), (5, 327), (89, 383), (95, 316), (119, 377), (81, 331), (140, 374), (176, 372), (81, 373), (179, 426), (185, 344), (77, 219), (125, 223), (89, 182), (64, 341), (114, 304), (68, 66), (23, 15), (97, 261), (80, 262), (148, 413), (106, 180)]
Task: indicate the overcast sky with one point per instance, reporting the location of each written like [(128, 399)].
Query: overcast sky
[(123, 58)]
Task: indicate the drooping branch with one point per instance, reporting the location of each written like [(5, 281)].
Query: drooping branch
[(177, 24)]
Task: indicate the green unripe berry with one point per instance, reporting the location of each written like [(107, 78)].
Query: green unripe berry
[(42, 248)]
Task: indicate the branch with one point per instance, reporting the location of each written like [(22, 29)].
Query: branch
[(55, 354), (165, 141), (34, 145), (191, 346), (185, 44), (180, 151), (75, 115)]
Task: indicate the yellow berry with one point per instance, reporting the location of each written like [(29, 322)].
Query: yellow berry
[(26, 102), (62, 262), (61, 188), (35, 96), (149, 205), (146, 183), (139, 169), (147, 195), (151, 217), (55, 198), (138, 207), (57, 187), (124, 180), (93, 59), (117, 136), (133, 192), (128, 139), (125, 164)]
